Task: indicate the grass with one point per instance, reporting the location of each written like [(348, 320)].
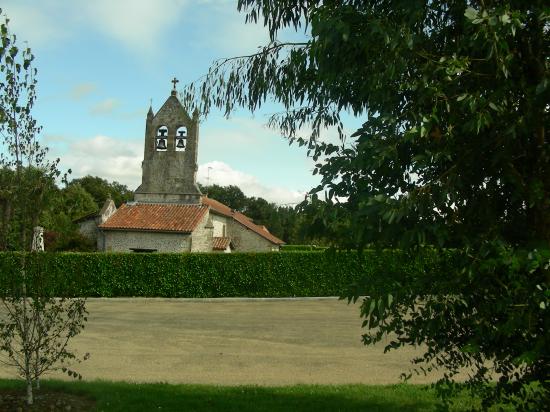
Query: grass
[(122, 396)]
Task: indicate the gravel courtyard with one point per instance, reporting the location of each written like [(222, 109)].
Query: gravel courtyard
[(231, 342)]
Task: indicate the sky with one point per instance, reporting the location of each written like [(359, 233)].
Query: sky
[(100, 62)]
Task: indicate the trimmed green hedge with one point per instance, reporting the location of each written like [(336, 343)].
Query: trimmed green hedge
[(302, 248), (204, 275)]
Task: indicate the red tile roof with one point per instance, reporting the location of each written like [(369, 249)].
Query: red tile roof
[(242, 219), (156, 217), (220, 243)]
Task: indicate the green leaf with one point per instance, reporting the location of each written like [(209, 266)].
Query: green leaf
[(471, 13), (541, 87)]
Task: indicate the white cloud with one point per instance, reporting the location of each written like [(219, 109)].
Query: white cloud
[(107, 106), (235, 133), (222, 174), (106, 157), (230, 35), (36, 23), (138, 25), (250, 37), (82, 90), (141, 26)]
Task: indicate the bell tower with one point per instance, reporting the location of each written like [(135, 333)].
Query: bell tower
[(169, 167)]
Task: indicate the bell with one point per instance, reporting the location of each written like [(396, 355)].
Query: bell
[(161, 144), (180, 144)]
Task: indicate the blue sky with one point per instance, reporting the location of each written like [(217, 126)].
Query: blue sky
[(100, 62)]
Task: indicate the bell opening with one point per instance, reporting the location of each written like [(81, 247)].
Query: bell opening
[(181, 131), (161, 144), (162, 131)]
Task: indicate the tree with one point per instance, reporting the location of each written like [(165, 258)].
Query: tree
[(453, 152), (68, 204), (231, 195), (39, 187), (34, 326), (101, 190)]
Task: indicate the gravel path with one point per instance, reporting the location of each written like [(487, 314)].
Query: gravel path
[(231, 342)]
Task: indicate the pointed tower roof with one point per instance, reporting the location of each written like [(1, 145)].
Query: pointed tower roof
[(172, 105)]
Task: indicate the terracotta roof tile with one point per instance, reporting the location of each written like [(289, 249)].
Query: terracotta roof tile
[(242, 219), (156, 217), (220, 243)]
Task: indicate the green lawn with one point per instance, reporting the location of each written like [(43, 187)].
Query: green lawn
[(121, 396)]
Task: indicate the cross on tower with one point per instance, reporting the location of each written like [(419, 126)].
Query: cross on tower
[(174, 81)]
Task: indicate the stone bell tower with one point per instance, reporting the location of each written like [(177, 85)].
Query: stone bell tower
[(169, 168)]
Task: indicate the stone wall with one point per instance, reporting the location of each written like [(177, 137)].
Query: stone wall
[(219, 223), (201, 239), (124, 241), (245, 240), (88, 228)]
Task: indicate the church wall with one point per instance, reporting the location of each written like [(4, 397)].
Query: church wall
[(202, 236), (219, 223), (88, 228), (123, 241), (245, 240)]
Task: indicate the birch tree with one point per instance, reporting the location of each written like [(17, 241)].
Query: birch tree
[(35, 327)]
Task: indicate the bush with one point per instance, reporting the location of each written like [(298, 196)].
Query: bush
[(302, 248), (211, 275)]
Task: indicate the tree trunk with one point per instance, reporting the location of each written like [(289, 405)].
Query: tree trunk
[(30, 399)]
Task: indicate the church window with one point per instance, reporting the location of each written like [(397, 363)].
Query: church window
[(142, 250), (162, 136), (181, 138)]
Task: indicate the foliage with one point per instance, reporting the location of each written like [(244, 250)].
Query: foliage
[(24, 195), (101, 190), (452, 153), (34, 326), (68, 204), (53, 208), (231, 196), (72, 241), (301, 248), (314, 273), (76, 201)]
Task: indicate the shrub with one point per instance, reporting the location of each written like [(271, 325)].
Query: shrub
[(328, 273), (302, 248)]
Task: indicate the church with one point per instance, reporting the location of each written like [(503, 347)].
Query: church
[(169, 213)]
